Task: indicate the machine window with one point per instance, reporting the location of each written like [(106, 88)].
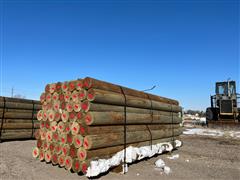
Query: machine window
[(221, 89)]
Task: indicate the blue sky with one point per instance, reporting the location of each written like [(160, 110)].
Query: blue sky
[(183, 47)]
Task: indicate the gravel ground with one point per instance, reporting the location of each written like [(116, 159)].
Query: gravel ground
[(199, 158)]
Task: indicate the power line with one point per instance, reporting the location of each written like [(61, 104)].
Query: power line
[(150, 88)]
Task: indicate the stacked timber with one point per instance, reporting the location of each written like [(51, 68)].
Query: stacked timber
[(18, 118), (88, 119)]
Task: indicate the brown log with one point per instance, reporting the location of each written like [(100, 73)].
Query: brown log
[(39, 143), (68, 163), (84, 166), (108, 97), (37, 134), (61, 160), (86, 163), (45, 146), (16, 131), (78, 141), (20, 125), (55, 137), (63, 138), (55, 97), (54, 159), (41, 155), (16, 110), (18, 105), (75, 128), (51, 147), (61, 127), (19, 121), (19, 135), (19, 115), (73, 151), (69, 139), (48, 156), (53, 126), (49, 136), (35, 152), (111, 118), (8, 99), (68, 86), (94, 130), (97, 84), (58, 148), (65, 149), (114, 108), (114, 139), (76, 166), (107, 152)]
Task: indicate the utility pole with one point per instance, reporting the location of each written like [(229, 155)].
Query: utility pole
[(12, 91)]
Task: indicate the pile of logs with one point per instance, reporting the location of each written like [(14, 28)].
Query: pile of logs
[(18, 118), (88, 119)]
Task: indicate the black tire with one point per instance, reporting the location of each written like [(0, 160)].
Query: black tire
[(211, 114)]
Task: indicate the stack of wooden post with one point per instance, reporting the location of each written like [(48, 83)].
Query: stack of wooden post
[(18, 118), (84, 119)]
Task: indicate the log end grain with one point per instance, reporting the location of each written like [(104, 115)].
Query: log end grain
[(79, 84), (35, 152), (87, 143), (85, 106), (84, 167), (87, 83), (65, 149), (54, 159), (58, 148), (82, 154), (64, 86), (65, 116), (75, 128), (88, 119), (41, 155), (63, 138), (48, 156), (68, 163), (69, 138), (91, 95), (76, 167), (61, 160), (73, 151), (78, 141)]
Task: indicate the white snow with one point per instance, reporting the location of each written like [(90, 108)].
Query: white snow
[(132, 154), (173, 156), (166, 169), (161, 165), (212, 132)]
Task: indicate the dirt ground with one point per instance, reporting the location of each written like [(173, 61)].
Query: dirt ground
[(199, 158)]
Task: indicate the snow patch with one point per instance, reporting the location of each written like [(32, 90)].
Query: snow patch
[(176, 156), (166, 169), (211, 132), (132, 154), (161, 164)]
